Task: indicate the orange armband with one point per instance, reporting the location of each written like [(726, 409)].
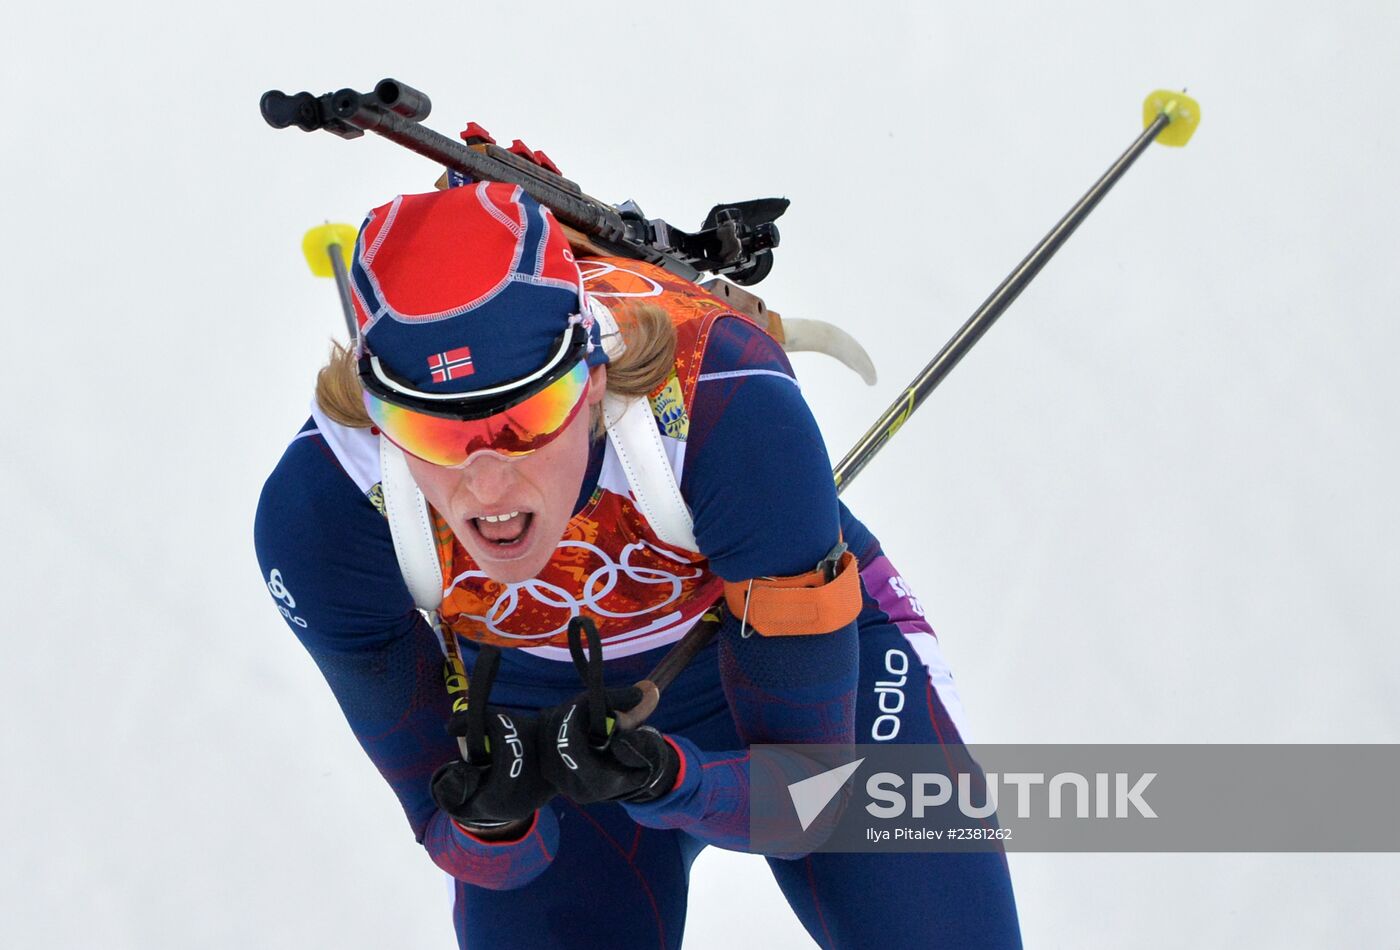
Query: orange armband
[(823, 600)]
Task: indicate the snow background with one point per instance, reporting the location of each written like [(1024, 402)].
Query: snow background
[(1152, 506)]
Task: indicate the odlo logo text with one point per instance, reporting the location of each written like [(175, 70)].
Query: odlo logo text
[(889, 696)]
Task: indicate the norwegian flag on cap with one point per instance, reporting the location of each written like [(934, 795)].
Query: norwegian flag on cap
[(450, 365), (464, 289)]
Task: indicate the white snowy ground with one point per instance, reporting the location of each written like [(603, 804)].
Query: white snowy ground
[(1151, 507)]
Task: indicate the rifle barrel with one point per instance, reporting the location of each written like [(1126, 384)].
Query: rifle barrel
[(580, 211)]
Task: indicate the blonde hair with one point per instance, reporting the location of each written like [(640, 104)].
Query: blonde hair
[(646, 329)]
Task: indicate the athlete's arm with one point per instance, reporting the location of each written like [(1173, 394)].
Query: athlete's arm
[(758, 482), (329, 563), (711, 796)]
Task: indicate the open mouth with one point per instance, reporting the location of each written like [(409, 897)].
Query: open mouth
[(504, 534)]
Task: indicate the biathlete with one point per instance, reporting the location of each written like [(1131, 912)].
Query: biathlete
[(507, 379)]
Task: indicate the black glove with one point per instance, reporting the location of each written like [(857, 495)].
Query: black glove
[(589, 760), (498, 779), (584, 755)]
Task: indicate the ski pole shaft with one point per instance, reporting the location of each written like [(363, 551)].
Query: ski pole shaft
[(1161, 110), (670, 666), (917, 391), (342, 286), (993, 307)]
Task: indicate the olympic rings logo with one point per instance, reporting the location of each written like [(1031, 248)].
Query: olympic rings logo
[(600, 582), (592, 270)]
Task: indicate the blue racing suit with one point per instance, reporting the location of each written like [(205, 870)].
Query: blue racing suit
[(757, 480)]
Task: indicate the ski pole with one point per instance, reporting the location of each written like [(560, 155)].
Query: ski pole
[(1162, 111), (1169, 118), (327, 249)]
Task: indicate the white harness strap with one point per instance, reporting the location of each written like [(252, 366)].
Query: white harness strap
[(637, 444), (411, 527)]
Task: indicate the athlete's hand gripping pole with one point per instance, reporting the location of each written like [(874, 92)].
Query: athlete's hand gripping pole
[(588, 754), (497, 784), (1169, 118)]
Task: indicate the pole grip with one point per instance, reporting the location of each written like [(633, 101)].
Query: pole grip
[(670, 666)]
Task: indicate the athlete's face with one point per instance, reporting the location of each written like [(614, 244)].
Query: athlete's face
[(536, 491)]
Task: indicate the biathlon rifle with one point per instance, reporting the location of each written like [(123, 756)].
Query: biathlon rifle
[(734, 243), (736, 240)]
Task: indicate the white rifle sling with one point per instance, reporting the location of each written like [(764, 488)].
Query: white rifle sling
[(637, 444), (411, 527)]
